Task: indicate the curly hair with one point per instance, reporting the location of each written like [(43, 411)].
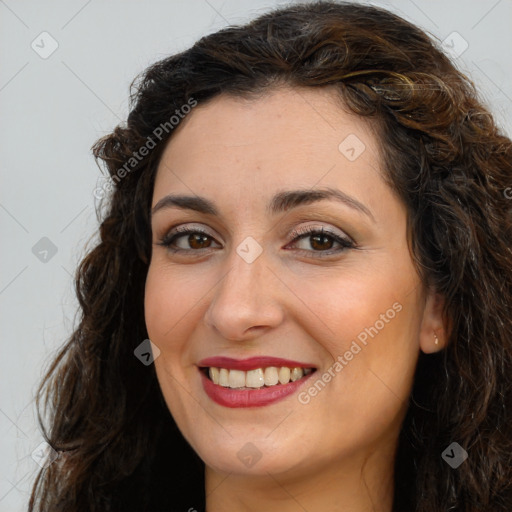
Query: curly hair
[(446, 159)]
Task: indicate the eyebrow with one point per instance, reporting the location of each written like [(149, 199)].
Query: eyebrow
[(281, 202)]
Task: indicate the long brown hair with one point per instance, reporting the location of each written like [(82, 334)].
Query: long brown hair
[(449, 164)]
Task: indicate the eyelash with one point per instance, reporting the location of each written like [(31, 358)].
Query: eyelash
[(297, 234), (344, 242)]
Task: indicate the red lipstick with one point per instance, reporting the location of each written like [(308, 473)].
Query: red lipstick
[(257, 397), (251, 363)]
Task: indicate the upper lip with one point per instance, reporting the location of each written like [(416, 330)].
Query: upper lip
[(252, 363)]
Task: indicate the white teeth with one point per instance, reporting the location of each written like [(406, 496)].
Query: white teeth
[(284, 375), (271, 376), (224, 377), (255, 379), (296, 374), (214, 375), (236, 379)]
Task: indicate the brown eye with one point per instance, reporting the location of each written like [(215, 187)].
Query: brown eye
[(321, 242), (187, 240), (199, 241)]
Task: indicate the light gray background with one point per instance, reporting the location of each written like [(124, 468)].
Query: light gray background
[(53, 109)]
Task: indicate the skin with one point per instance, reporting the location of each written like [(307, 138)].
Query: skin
[(335, 452)]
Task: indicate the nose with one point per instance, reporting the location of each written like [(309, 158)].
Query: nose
[(246, 301)]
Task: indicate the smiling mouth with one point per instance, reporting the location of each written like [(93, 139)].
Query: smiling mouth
[(258, 378)]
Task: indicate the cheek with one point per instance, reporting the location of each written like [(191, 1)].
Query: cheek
[(171, 300), (368, 323), (169, 308), (379, 304), (364, 387), (172, 306)]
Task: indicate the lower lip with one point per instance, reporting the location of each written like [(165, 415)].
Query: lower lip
[(250, 397)]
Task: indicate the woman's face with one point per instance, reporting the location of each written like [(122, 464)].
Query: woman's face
[(257, 282)]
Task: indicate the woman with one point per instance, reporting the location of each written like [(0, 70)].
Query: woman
[(309, 221)]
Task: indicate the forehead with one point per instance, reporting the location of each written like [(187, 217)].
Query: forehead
[(290, 136)]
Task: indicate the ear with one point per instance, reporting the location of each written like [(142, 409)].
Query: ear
[(434, 329)]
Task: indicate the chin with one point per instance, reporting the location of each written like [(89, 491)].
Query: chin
[(248, 455)]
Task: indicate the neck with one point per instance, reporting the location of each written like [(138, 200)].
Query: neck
[(361, 484)]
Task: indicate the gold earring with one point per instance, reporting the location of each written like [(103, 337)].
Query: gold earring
[(436, 341)]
